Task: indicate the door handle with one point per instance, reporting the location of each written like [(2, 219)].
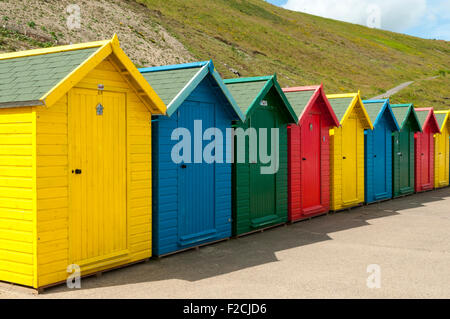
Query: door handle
[(344, 157), (304, 159), (374, 156), (400, 154), (183, 166), (77, 171)]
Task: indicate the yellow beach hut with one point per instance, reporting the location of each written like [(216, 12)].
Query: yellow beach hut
[(441, 150), (75, 162), (347, 150)]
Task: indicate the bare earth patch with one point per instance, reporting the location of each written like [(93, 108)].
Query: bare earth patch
[(45, 21)]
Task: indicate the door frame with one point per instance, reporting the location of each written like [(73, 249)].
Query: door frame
[(382, 195), (119, 256), (258, 222), (192, 239), (356, 200), (316, 208)]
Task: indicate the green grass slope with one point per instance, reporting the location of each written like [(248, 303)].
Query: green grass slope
[(256, 38)]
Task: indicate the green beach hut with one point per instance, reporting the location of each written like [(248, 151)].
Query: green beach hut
[(259, 191), (403, 149)]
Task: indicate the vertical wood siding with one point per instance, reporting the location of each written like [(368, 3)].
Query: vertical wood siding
[(242, 212), (441, 158), (295, 142), (399, 145), (167, 191), (422, 139), (372, 172), (337, 144), (52, 178)]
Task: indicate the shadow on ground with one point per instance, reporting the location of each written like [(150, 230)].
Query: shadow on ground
[(255, 249)]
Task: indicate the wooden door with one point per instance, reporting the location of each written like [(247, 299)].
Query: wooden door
[(262, 186), (350, 160), (310, 161), (196, 186), (97, 176)]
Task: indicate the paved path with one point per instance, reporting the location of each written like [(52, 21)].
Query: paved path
[(397, 89), (393, 91), (326, 257)]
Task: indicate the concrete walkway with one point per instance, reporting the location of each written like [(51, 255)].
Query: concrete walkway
[(397, 89), (327, 257), (393, 91)]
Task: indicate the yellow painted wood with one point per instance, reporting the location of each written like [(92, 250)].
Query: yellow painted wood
[(441, 154), (50, 218), (62, 48), (98, 148), (350, 161), (347, 141), (17, 195)]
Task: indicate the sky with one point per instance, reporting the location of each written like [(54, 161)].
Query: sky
[(428, 19)]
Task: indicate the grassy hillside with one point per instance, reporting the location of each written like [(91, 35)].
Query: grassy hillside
[(249, 37), (428, 92), (256, 38)]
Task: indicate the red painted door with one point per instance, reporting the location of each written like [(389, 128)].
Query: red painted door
[(310, 137), (425, 158)]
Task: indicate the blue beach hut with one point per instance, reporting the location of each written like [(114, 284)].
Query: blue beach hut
[(378, 150), (191, 193)]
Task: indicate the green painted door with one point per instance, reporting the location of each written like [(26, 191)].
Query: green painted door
[(404, 159), (262, 186)]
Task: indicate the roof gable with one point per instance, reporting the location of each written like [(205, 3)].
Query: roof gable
[(442, 118), (303, 98), (405, 113), (427, 119), (26, 79), (43, 76), (174, 83), (249, 92), (379, 109), (344, 104)]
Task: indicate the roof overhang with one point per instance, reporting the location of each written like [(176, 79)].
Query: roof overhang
[(272, 82), (318, 92), (356, 98), (206, 67), (105, 48), (446, 121), (430, 120), (386, 108)]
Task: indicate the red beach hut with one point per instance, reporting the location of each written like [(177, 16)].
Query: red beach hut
[(309, 152), (424, 145)]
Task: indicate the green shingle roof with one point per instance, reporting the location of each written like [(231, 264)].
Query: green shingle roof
[(340, 106), (422, 116), (440, 117), (373, 109), (400, 113), (245, 92), (168, 83), (29, 78), (299, 100)]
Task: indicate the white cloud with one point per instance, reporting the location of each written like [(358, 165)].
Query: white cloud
[(398, 15)]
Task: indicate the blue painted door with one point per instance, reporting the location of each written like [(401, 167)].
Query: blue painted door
[(380, 136), (196, 220)]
